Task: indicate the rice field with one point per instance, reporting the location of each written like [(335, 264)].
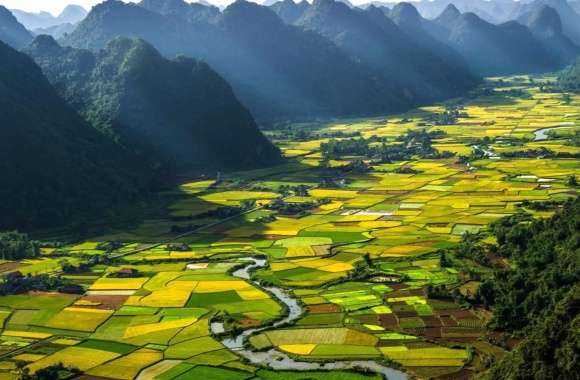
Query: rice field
[(147, 313)]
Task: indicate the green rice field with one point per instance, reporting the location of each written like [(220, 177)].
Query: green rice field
[(360, 260)]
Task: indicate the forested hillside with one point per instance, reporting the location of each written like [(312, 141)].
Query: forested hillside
[(54, 164), (174, 113), (11, 31), (539, 297), (569, 78)]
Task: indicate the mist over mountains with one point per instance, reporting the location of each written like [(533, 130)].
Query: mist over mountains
[(278, 70), (11, 31), (165, 86), (71, 14), (424, 69), (167, 112)]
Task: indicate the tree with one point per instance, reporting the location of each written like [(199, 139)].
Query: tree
[(17, 246), (248, 204)]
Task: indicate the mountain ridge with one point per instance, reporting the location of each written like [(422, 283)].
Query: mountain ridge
[(175, 112), (11, 31), (279, 71), (48, 152)]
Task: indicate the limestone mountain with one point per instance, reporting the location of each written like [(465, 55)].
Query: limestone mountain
[(11, 31), (277, 70), (491, 49), (176, 112), (71, 14), (289, 11), (424, 71), (570, 18), (54, 165), (546, 25)]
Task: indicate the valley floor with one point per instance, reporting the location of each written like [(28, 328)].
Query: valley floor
[(358, 261)]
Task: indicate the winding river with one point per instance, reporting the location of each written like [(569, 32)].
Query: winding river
[(542, 134), (278, 360)]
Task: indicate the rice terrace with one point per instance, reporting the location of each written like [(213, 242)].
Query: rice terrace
[(351, 260)]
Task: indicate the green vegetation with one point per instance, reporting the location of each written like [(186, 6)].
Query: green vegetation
[(17, 246), (48, 152), (441, 267), (157, 109), (539, 297), (412, 144), (569, 79)]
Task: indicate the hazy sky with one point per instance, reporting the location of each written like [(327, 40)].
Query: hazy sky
[(52, 6), (55, 6)]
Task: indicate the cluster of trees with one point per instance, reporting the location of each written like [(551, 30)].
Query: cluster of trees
[(330, 182), (470, 248), (287, 208), (109, 246), (53, 372), (17, 246), (17, 283), (541, 152), (406, 170), (298, 190), (301, 133), (336, 149), (449, 116), (225, 212), (539, 295), (266, 219), (542, 205), (178, 247), (569, 78), (83, 267), (413, 143)]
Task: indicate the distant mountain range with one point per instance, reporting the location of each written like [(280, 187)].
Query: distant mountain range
[(501, 11), (71, 14), (424, 69), (546, 25), (535, 43), (494, 11), (570, 19), (177, 113), (330, 59), (281, 70), (506, 48), (56, 31), (116, 101)]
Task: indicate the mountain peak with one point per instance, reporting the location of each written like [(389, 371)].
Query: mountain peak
[(244, 15), (448, 16), (289, 11), (165, 6), (406, 16), (72, 12), (544, 20), (44, 43), (132, 52)]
